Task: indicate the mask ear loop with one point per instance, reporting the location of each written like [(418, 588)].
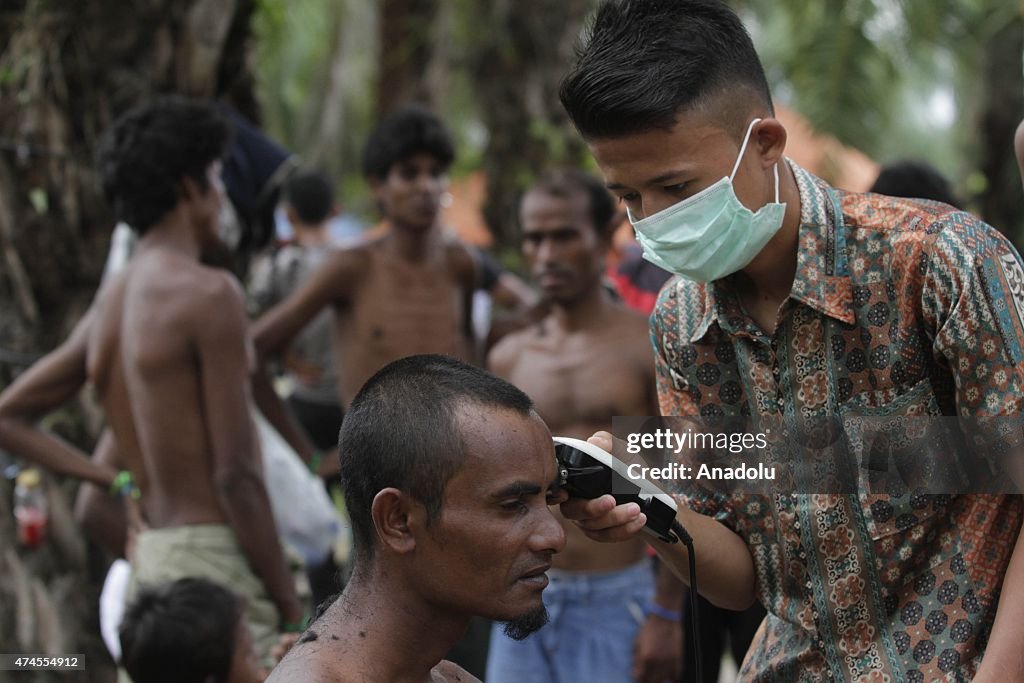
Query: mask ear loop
[(743, 148)]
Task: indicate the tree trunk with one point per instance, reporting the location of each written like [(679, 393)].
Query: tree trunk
[(406, 46), (516, 67), (1002, 203), (66, 70)]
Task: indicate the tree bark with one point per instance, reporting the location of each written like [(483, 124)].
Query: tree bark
[(66, 70), (1002, 203), (406, 46), (516, 67)]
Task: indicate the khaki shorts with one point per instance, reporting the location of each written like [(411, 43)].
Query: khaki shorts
[(207, 551)]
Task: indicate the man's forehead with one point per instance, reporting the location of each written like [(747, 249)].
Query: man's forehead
[(503, 445), (687, 146), (542, 204)]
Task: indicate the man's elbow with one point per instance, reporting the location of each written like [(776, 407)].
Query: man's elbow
[(10, 423)]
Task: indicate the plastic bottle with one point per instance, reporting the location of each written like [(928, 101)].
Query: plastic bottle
[(30, 508)]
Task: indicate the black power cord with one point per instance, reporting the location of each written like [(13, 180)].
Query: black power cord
[(687, 540)]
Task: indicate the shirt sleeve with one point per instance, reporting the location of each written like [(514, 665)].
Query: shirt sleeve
[(974, 296)]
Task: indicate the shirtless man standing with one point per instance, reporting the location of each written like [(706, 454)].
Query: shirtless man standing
[(448, 473), (586, 361), (164, 345), (406, 292)]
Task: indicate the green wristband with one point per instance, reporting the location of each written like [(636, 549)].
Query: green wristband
[(293, 626), (123, 485)]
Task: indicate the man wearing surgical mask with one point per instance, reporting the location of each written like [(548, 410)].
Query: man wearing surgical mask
[(796, 300)]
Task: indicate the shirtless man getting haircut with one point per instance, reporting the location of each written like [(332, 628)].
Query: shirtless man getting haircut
[(164, 345), (585, 362), (448, 473)]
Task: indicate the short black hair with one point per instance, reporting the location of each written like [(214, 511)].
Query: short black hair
[(914, 180), (643, 61), (402, 431), (149, 150), (409, 130), (180, 632), (568, 181), (311, 194)]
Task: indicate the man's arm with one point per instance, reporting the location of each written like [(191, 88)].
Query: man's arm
[(956, 298), (658, 648), (49, 383), (237, 468), (466, 267), (725, 569), (333, 282), (100, 515)]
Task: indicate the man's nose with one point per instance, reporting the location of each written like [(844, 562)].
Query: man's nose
[(547, 251), (428, 182), (549, 536)]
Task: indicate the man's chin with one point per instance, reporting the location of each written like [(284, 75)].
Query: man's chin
[(526, 623)]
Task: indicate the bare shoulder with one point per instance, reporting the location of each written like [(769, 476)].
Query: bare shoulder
[(626, 322), (502, 358), (447, 672), (215, 293), (295, 670), (463, 261), (343, 268)]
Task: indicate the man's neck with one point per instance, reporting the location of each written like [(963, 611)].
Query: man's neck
[(412, 245), (767, 281), (174, 232), (312, 235), (584, 312), (387, 633)]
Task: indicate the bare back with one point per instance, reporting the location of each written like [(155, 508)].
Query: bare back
[(149, 346), (578, 381)]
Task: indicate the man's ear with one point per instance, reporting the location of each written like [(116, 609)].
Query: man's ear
[(397, 517), (291, 214), (770, 138), (189, 190)]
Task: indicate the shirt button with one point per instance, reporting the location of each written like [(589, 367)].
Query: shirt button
[(796, 525), (781, 401), (809, 585)]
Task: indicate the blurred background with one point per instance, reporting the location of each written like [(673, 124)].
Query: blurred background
[(858, 83)]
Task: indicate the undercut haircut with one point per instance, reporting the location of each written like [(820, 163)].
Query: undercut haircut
[(143, 158), (180, 632), (564, 183), (642, 62), (402, 431), (409, 130)]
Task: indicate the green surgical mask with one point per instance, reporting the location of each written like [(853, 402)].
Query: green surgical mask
[(711, 234)]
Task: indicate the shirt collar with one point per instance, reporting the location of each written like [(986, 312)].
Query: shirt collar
[(822, 278)]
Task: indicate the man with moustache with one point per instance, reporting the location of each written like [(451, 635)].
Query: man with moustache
[(448, 473), (586, 361)]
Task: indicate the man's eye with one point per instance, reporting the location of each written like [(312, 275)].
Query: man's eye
[(677, 189), (516, 505), (630, 197)]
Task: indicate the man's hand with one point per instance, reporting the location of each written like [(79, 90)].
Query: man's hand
[(658, 651), (602, 520)]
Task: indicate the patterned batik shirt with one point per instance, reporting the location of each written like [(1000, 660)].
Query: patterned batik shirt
[(897, 305)]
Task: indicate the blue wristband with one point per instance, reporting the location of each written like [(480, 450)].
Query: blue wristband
[(663, 613)]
